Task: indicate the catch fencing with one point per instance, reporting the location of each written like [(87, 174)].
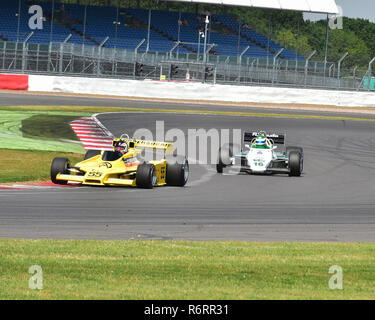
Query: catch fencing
[(98, 61)]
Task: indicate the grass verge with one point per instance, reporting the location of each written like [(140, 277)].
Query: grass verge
[(49, 127), (89, 269), (25, 165)]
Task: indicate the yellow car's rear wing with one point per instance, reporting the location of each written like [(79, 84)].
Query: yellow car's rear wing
[(133, 143), (166, 146)]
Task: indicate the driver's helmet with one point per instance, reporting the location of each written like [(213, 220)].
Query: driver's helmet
[(121, 146), (261, 140)]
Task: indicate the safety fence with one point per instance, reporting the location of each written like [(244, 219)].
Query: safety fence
[(97, 61)]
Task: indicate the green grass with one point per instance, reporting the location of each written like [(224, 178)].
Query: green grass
[(89, 269), (24, 165), (49, 127), (32, 129)]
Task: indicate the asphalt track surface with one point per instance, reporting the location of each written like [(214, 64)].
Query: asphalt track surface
[(332, 201)]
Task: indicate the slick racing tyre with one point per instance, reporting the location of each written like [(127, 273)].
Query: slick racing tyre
[(295, 164), (225, 154), (59, 165), (177, 172), (146, 176), (91, 153), (297, 149)]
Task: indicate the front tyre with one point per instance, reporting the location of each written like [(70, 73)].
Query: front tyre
[(59, 165), (295, 164), (177, 172), (146, 176)]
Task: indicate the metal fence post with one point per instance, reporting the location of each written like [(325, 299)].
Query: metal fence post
[(136, 49), (330, 70), (37, 57), (136, 55), (62, 52), (274, 64), (4, 46), (100, 54), (307, 65), (369, 73), (174, 47), (24, 50), (339, 68), (240, 63), (354, 76)]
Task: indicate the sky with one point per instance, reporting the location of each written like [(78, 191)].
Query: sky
[(352, 9)]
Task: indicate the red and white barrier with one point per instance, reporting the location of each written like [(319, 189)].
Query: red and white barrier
[(189, 91), (14, 82), (200, 92)]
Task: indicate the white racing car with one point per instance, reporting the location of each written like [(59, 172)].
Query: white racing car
[(260, 155)]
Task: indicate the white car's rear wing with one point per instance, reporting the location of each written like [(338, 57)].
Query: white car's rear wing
[(277, 138)]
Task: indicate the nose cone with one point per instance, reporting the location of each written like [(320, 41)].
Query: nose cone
[(259, 159)]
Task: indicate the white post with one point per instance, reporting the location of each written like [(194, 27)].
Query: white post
[(240, 63), (274, 64), (148, 30), (370, 72), (137, 47), (19, 20), (205, 39), (52, 19), (179, 30), (174, 47), (307, 65), (23, 50), (100, 54), (326, 49), (62, 52), (200, 34), (339, 67)]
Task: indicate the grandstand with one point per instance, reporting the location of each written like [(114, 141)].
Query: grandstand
[(126, 27)]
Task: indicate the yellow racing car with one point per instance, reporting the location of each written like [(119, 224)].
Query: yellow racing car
[(124, 166)]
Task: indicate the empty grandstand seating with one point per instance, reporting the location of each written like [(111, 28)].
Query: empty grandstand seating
[(226, 44), (256, 37), (129, 27)]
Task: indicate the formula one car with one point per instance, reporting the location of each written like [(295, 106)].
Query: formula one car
[(124, 166), (260, 155)]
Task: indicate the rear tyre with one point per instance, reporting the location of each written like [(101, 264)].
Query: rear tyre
[(146, 176), (177, 172), (295, 164), (59, 165), (91, 153)]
